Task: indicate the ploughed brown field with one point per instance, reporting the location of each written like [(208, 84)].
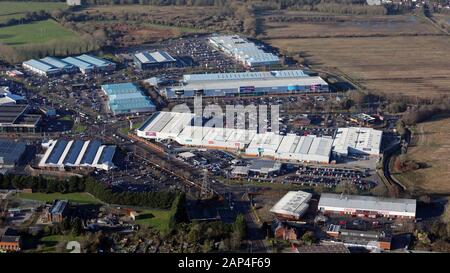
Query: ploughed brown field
[(384, 54)]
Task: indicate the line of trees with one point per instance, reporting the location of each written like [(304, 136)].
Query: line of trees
[(162, 200), (29, 17)]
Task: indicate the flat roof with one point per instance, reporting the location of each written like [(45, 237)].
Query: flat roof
[(96, 61), (125, 97), (243, 49), (360, 138), (244, 75), (11, 151), (264, 166), (10, 113), (293, 203), (78, 63), (360, 202), (223, 87), (57, 62), (41, 65)]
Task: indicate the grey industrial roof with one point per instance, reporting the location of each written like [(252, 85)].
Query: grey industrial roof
[(264, 165), (223, 87), (78, 63), (56, 62), (10, 113), (94, 60), (293, 203), (154, 57), (367, 203), (41, 65), (245, 75), (11, 151), (244, 49)]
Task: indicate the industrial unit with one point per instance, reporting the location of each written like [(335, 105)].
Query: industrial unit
[(244, 51), (292, 206), (159, 59), (367, 206), (245, 84), (6, 97), (357, 140), (180, 127), (10, 153), (77, 154), (126, 98), (50, 66), (14, 119)]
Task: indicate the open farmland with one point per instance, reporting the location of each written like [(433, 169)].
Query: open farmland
[(17, 10), (432, 146), (310, 25), (417, 65), (36, 33), (385, 53)]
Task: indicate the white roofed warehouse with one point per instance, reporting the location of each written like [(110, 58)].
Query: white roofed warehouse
[(78, 154), (182, 128), (244, 51), (158, 59), (292, 206), (367, 206), (357, 140)]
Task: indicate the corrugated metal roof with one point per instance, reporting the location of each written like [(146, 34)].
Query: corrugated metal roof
[(41, 65), (78, 63), (91, 151), (244, 50), (369, 203), (154, 57), (94, 60), (56, 62)]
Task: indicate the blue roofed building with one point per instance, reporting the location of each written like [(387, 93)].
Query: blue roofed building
[(63, 154), (126, 98), (159, 59)]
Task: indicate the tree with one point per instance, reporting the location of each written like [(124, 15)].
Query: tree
[(240, 226), (77, 226), (309, 238), (207, 246)]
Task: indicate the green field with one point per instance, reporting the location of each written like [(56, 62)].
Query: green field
[(158, 219), (36, 33), (77, 197), (50, 242), (17, 10)]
